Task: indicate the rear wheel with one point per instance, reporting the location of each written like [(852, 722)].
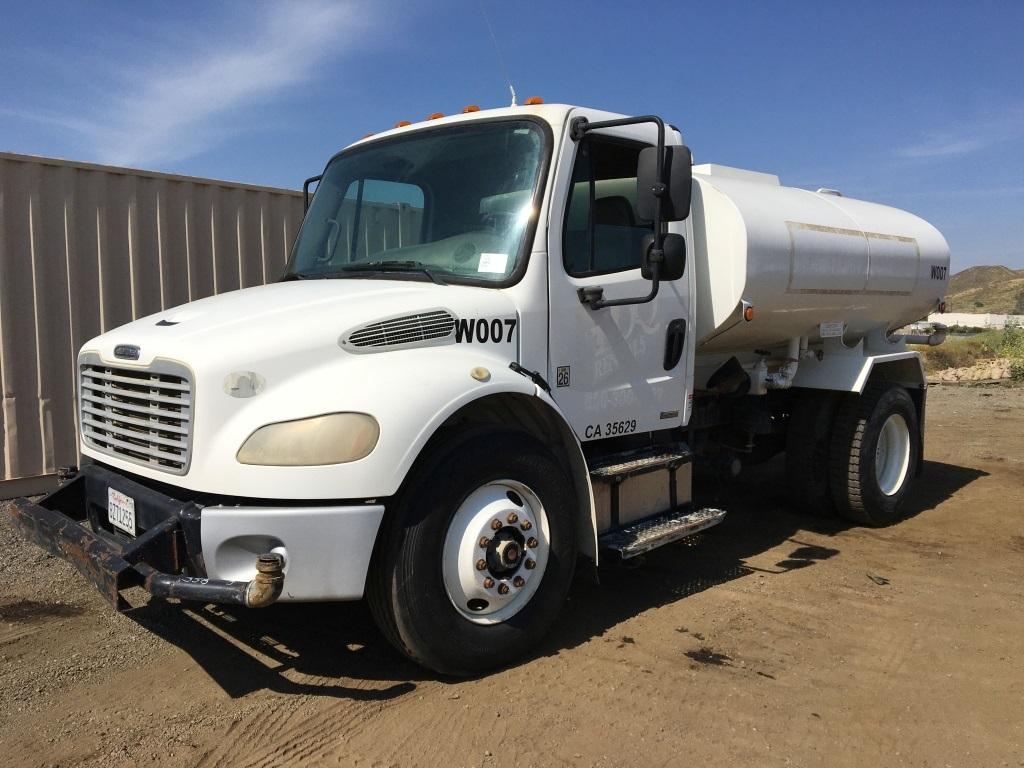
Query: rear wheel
[(477, 554), (876, 444)]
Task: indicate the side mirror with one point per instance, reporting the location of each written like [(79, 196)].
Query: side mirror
[(673, 263), (678, 176)]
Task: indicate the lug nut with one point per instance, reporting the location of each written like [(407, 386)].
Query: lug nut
[(488, 583), (530, 564), (484, 542), (526, 525), (503, 588), (481, 564), (518, 581), (495, 524), (532, 543), (512, 518)]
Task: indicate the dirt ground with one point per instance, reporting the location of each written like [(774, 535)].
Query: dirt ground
[(774, 639)]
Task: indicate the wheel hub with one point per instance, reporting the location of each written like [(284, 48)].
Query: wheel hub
[(505, 552), (892, 454), (495, 551)]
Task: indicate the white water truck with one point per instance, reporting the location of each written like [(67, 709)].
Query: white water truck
[(504, 340)]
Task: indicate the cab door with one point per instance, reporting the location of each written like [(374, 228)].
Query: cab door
[(623, 369)]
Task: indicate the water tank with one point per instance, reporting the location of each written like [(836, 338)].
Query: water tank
[(803, 258)]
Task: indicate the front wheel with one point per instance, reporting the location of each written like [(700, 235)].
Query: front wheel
[(876, 445), (477, 553)]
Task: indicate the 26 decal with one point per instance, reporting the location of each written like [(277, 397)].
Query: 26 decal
[(470, 329)]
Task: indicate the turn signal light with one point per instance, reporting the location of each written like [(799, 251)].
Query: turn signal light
[(748, 314), (532, 100), (435, 115), (402, 123), (470, 108)]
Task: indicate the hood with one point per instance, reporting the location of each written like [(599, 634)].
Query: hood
[(294, 318)]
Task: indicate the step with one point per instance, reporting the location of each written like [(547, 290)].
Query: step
[(622, 465), (654, 532)]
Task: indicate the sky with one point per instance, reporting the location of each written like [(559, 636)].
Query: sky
[(914, 104)]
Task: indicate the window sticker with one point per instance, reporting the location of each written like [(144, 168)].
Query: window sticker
[(494, 263)]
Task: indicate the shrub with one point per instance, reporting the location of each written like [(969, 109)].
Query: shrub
[(1017, 370), (955, 353), (965, 352), (1011, 343)]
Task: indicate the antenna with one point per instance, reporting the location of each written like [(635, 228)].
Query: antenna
[(497, 51)]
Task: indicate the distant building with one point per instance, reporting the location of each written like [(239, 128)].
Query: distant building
[(972, 320)]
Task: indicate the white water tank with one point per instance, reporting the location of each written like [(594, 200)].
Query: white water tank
[(803, 258)]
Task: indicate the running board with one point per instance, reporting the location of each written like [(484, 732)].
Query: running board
[(645, 535), (619, 466)]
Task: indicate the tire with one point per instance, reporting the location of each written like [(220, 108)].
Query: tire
[(429, 551), (876, 446), (808, 445)]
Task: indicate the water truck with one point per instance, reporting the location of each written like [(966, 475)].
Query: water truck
[(505, 341)]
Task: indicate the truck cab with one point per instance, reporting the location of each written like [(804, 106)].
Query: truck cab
[(481, 362)]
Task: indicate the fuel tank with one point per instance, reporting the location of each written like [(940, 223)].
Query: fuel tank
[(803, 258)]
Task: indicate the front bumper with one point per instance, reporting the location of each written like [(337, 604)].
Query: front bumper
[(216, 554)]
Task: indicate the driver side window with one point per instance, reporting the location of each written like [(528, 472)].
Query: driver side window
[(602, 232)]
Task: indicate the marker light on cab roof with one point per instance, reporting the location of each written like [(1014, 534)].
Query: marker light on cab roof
[(533, 100)]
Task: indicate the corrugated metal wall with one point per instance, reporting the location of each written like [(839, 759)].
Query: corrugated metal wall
[(85, 248)]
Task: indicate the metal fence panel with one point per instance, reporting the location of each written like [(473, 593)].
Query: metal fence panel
[(85, 248)]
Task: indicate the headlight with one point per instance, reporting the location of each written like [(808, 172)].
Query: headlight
[(334, 438)]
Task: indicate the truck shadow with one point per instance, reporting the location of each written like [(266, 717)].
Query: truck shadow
[(760, 519), (334, 649)]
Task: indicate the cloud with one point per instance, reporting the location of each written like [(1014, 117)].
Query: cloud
[(186, 98), (998, 193), (973, 136), (942, 146)]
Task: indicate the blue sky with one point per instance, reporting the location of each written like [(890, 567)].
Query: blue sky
[(914, 104)]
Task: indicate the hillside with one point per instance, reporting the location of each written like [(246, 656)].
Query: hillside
[(995, 289)]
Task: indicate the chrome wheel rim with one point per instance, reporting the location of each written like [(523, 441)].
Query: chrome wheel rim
[(495, 552), (892, 454)]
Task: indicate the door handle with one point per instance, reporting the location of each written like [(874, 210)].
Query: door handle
[(675, 341)]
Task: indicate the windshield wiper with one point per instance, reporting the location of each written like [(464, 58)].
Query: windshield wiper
[(394, 266)]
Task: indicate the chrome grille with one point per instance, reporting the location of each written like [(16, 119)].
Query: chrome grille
[(142, 416), (408, 329)]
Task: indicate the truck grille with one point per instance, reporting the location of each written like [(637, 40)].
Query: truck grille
[(408, 329), (142, 416)]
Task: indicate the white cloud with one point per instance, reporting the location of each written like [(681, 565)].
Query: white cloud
[(968, 138), (179, 100), (942, 146)]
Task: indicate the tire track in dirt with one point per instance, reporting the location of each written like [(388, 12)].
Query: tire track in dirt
[(286, 733)]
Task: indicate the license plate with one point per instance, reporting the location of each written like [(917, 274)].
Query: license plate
[(121, 511)]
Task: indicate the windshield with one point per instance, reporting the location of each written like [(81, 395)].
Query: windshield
[(449, 203)]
